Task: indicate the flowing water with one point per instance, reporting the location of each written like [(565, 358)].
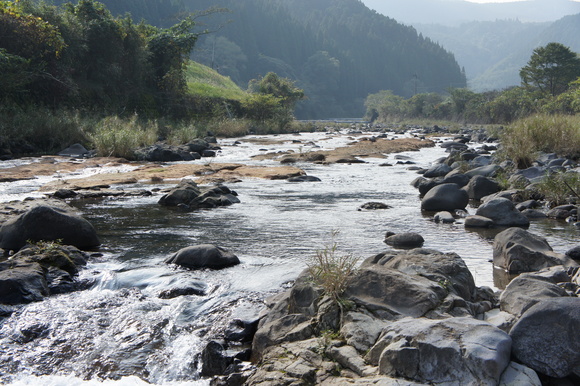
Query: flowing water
[(120, 332)]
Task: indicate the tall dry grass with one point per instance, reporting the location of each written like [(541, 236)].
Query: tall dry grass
[(523, 139)]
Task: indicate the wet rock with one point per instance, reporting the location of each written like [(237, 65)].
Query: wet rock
[(517, 250), (405, 240), (445, 197), (503, 213), (451, 351), (574, 253), (214, 359), (189, 196), (534, 214), (197, 288), (529, 288), (48, 224), (22, 282), (241, 331), (203, 256), (478, 222), (545, 337), (444, 217), (479, 187), (374, 206), (161, 152), (304, 179)]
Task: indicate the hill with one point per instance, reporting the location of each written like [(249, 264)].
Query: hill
[(203, 81), (338, 51), (492, 53), (456, 12)]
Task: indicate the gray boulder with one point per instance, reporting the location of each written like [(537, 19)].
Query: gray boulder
[(187, 195), (478, 222), (517, 250), (503, 213), (546, 337), (529, 288), (203, 256), (486, 171), (361, 330), (405, 240), (449, 351), (479, 187), (48, 224), (444, 217), (22, 282), (438, 170), (516, 374), (76, 151), (445, 197)]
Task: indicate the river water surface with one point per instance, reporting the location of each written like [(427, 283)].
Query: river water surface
[(120, 331)]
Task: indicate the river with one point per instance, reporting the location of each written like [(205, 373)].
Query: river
[(120, 331)]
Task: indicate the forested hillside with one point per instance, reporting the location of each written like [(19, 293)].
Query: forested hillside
[(338, 51)]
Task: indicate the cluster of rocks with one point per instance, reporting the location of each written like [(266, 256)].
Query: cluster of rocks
[(467, 175), (187, 195), (163, 152), (416, 317)]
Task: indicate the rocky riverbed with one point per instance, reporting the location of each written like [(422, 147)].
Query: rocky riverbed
[(409, 316)]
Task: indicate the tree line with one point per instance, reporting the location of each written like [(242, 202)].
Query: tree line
[(550, 84)]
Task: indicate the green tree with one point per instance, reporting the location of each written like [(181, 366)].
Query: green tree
[(551, 68)]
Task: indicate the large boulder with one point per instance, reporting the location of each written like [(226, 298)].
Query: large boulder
[(479, 187), (445, 197), (45, 223), (203, 256), (449, 351), (22, 283), (503, 213), (438, 170), (405, 240), (546, 337), (517, 250), (530, 288), (187, 195)]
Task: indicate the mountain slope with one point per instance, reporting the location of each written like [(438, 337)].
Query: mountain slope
[(339, 51), (455, 12)]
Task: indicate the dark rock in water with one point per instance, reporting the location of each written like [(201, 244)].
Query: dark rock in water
[(64, 194), (546, 339), (241, 330), (503, 213), (161, 152), (444, 217), (517, 250), (196, 288), (534, 214), (479, 187), (77, 151), (214, 359), (574, 253), (203, 256), (478, 222), (303, 179), (48, 224), (445, 197), (22, 282), (453, 145), (189, 196), (375, 206), (405, 240)]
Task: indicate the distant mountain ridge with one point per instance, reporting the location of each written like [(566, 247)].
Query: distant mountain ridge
[(492, 53), (455, 12)]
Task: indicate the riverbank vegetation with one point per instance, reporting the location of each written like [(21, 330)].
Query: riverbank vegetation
[(76, 73)]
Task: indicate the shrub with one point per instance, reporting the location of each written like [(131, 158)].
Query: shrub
[(331, 270), (548, 133), (560, 188), (229, 127), (116, 137), (181, 133)]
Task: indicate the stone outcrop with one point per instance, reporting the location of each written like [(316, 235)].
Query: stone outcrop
[(48, 223), (189, 196)]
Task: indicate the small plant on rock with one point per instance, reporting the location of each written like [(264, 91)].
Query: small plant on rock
[(331, 270)]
